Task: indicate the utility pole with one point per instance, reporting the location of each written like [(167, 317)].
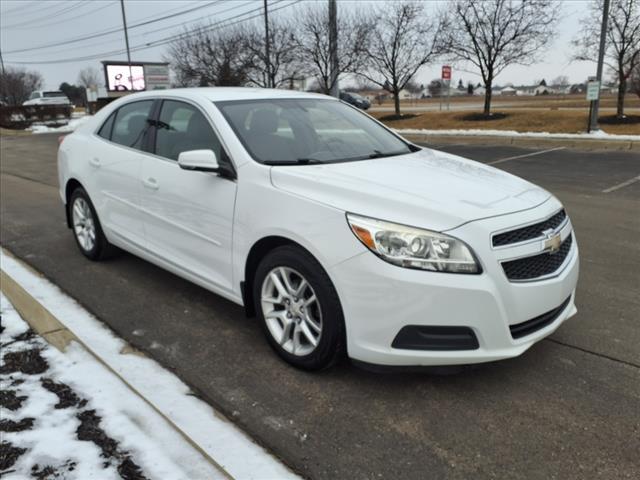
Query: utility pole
[(126, 39), (266, 46), (333, 47), (593, 123), (2, 63)]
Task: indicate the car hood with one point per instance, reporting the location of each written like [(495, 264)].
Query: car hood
[(428, 189)]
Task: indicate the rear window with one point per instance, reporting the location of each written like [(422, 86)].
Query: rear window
[(105, 130), (130, 126)]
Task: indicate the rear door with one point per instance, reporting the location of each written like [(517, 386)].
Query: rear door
[(116, 164), (188, 215)]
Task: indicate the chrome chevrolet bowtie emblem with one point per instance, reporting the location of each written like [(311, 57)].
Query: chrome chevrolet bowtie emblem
[(552, 241)]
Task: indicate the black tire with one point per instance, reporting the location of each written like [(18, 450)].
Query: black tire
[(101, 249), (331, 345)]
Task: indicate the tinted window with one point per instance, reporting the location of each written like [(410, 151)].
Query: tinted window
[(130, 127), (181, 128), (53, 94), (290, 130), (105, 130)]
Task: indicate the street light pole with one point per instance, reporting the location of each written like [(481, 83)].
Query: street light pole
[(126, 39), (266, 46), (333, 47), (593, 123)]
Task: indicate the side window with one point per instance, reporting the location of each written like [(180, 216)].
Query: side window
[(130, 126), (181, 128), (105, 130)]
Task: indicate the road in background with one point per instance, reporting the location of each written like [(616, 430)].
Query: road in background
[(567, 408)]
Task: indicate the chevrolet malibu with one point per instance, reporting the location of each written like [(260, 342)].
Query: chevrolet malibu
[(341, 237)]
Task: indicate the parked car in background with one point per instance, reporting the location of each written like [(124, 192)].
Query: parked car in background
[(52, 97), (355, 100), (338, 234)]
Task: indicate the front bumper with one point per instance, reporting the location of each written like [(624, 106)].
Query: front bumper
[(379, 299)]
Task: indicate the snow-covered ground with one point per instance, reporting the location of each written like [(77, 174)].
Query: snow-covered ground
[(65, 415), (157, 448), (69, 127), (512, 133)]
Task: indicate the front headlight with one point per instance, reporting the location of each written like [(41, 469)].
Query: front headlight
[(413, 247)]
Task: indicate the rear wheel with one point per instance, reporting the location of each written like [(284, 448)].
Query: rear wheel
[(299, 309), (86, 227)]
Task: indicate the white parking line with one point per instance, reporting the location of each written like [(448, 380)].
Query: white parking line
[(495, 162), (622, 185)]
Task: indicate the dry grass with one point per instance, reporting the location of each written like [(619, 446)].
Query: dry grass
[(5, 132), (554, 121), (632, 101)]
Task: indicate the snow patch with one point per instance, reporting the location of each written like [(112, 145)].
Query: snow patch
[(222, 441), (73, 124), (599, 134)]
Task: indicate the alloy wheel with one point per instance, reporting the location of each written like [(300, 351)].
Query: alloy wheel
[(83, 224), (291, 311)]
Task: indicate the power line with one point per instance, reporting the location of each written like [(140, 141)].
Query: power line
[(26, 6), (144, 34), (107, 32), (90, 12), (161, 41), (50, 15)]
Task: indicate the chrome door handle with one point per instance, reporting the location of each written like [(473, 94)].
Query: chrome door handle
[(95, 162), (151, 183)]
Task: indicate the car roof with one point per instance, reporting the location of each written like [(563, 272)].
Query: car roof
[(216, 94)]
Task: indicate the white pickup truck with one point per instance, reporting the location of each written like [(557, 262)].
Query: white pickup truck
[(41, 97)]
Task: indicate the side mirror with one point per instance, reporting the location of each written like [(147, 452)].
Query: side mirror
[(199, 160)]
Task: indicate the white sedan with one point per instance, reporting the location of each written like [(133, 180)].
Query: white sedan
[(339, 235)]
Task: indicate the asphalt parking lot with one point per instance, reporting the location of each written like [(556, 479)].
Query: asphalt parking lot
[(568, 408)]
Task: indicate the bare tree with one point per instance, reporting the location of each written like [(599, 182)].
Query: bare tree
[(435, 87), (493, 34), (402, 41), (90, 77), (622, 53), (560, 81), (313, 43), (204, 56), (635, 80), (284, 66), (16, 84)]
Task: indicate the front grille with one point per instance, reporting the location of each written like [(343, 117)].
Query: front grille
[(529, 232), (536, 266), (523, 329)]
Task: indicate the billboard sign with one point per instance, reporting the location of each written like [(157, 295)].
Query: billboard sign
[(446, 72), (156, 76), (120, 78)]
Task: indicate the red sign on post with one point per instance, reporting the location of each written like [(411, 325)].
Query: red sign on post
[(446, 72)]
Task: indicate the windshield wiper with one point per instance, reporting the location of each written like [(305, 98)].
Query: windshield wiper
[(379, 154), (297, 161)]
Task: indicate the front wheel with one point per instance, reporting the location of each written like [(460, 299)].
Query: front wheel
[(299, 309)]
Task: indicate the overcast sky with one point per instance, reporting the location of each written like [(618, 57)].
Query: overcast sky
[(38, 24)]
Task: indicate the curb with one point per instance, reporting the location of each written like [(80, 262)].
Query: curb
[(59, 336), (588, 144)]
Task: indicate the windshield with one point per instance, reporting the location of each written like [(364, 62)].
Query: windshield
[(290, 131), (53, 94)]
